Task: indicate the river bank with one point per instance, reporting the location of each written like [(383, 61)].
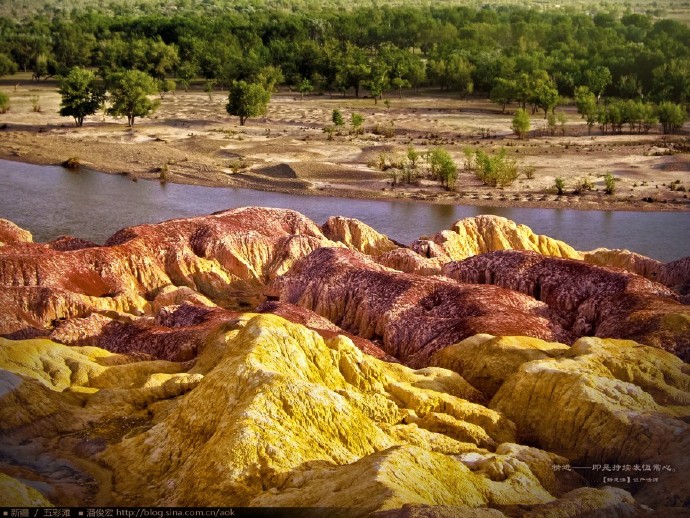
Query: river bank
[(191, 140)]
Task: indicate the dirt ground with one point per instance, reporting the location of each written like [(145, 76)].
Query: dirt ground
[(191, 139)]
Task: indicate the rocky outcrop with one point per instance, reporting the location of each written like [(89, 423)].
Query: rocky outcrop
[(14, 493), (411, 316), (674, 274), (357, 236), (305, 415), (226, 257), (324, 327), (408, 261), (486, 233), (273, 414), (587, 300), (486, 361), (608, 402), (11, 233)]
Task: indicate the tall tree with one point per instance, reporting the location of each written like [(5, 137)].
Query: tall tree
[(81, 95), (247, 100), (129, 93)]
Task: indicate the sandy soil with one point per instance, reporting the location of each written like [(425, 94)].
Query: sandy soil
[(191, 139)]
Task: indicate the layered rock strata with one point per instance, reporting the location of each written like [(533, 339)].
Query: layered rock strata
[(585, 299), (411, 316), (226, 257)]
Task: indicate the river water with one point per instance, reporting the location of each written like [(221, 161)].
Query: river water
[(52, 201)]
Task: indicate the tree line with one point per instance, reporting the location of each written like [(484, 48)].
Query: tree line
[(510, 53)]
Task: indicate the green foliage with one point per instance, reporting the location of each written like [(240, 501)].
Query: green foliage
[(521, 123), (129, 93), (247, 100), (672, 116), (609, 183), (504, 92), (356, 121), (597, 79), (305, 87), (166, 86), (7, 66), (337, 118), (81, 95), (4, 102), (560, 185), (494, 169), (442, 167), (347, 45), (583, 185)]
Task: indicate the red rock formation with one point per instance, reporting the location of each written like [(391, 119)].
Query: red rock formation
[(412, 316), (587, 300), (226, 257), (179, 333)]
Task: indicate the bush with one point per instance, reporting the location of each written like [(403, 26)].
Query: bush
[(672, 116), (495, 170), (442, 167), (521, 123), (610, 183), (35, 101), (560, 185), (583, 185), (4, 102)]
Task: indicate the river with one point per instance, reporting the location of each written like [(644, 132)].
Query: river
[(51, 201)]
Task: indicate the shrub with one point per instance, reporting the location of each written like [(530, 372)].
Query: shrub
[(495, 170), (560, 185), (35, 103), (442, 167), (4, 102), (521, 123), (610, 183)]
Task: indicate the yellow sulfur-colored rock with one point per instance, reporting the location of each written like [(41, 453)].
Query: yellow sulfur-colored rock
[(287, 418), (488, 233), (608, 402), (14, 493), (486, 361), (357, 236)]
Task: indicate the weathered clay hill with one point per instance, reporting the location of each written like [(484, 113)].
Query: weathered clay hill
[(251, 358)]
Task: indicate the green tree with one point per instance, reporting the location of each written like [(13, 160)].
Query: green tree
[(81, 95), (305, 87), (504, 92), (129, 93), (672, 116), (597, 79), (247, 100), (521, 123), (546, 96), (166, 86), (7, 66)]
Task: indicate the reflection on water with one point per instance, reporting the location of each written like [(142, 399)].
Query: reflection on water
[(52, 201)]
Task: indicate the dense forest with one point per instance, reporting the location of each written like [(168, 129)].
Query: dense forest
[(510, 53)]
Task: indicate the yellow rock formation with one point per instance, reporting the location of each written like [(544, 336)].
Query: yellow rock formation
[(487, 233), (357, 236), (14, 493)]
